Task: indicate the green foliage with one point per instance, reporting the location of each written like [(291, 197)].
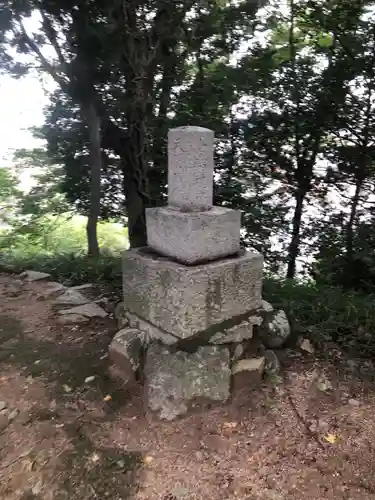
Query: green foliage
[(325, 312)]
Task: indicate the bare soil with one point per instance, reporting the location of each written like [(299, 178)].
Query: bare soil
[(308, 435)]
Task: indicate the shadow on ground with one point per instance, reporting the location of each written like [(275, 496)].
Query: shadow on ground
[(85, 470)]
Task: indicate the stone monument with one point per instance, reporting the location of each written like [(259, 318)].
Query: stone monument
[(192, 296)]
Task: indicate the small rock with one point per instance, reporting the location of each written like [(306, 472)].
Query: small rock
[(35, 276), (72, 319), (89, 310), (275, 329), (89, 379), (354, 402), (121, 316), (86, 286), (307, 346), (273, 364), (71, 298), (238, 352), (13, 414), (250, 365), (125, 353), (247, 373), (3, 405), (266, 307)]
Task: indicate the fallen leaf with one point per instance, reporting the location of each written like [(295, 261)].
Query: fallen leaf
[(108, 398), (148, 460), (67, 388), (330, 438), (89, 379)]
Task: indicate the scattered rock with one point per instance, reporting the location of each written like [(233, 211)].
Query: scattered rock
[(71, 298), (307, 346), (35, 276), (89, 379), (247, 373), (71, 319), (125, 352), (89, 310), (250, 365), (266, 307), (273, 365), (120, 315), (79, 288), (3, 405), (53, 288), (238, 352), (13, 414), (175, 380), (275, 329), (354, 402)]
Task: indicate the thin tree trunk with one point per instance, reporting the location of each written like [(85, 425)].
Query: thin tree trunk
[(93, 124), (293, 251)]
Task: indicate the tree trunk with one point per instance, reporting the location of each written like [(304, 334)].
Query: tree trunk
[(350, 226), (293, 251), (93, 124)]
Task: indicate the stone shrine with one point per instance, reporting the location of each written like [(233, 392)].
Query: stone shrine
[(192, 296)]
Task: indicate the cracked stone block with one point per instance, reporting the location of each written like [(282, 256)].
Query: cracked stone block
[(238, 333), (191, 237), (187, 300), (175, 380)]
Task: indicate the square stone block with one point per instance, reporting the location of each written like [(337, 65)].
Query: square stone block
[(191, 237), (187, 300)]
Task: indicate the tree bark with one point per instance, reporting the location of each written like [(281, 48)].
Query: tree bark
[(93, 125), (293, 251)]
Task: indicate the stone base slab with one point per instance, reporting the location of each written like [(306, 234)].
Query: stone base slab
[(192, 237), (187, 300)]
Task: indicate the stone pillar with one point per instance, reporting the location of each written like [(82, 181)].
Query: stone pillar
[(190, 229)]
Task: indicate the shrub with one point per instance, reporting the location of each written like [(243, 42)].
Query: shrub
[(326, 313)]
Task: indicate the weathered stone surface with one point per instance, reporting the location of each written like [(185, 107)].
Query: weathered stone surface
[(72, 319), (191, 237), (265, 307), (275, 329), (247, 372), (273, 365), (90, 310), (121, 315), (307, 346), (250, 365), (71, 298), (174, 381), (184, 300), (35, 276), (53, 289), (190, 167), (85, 286), (237, 333), (151, 330), (125, 353)]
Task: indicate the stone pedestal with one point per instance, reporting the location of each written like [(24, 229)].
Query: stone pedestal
[(192, 294)]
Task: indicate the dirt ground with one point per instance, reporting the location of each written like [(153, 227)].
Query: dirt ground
[(308, 435)]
